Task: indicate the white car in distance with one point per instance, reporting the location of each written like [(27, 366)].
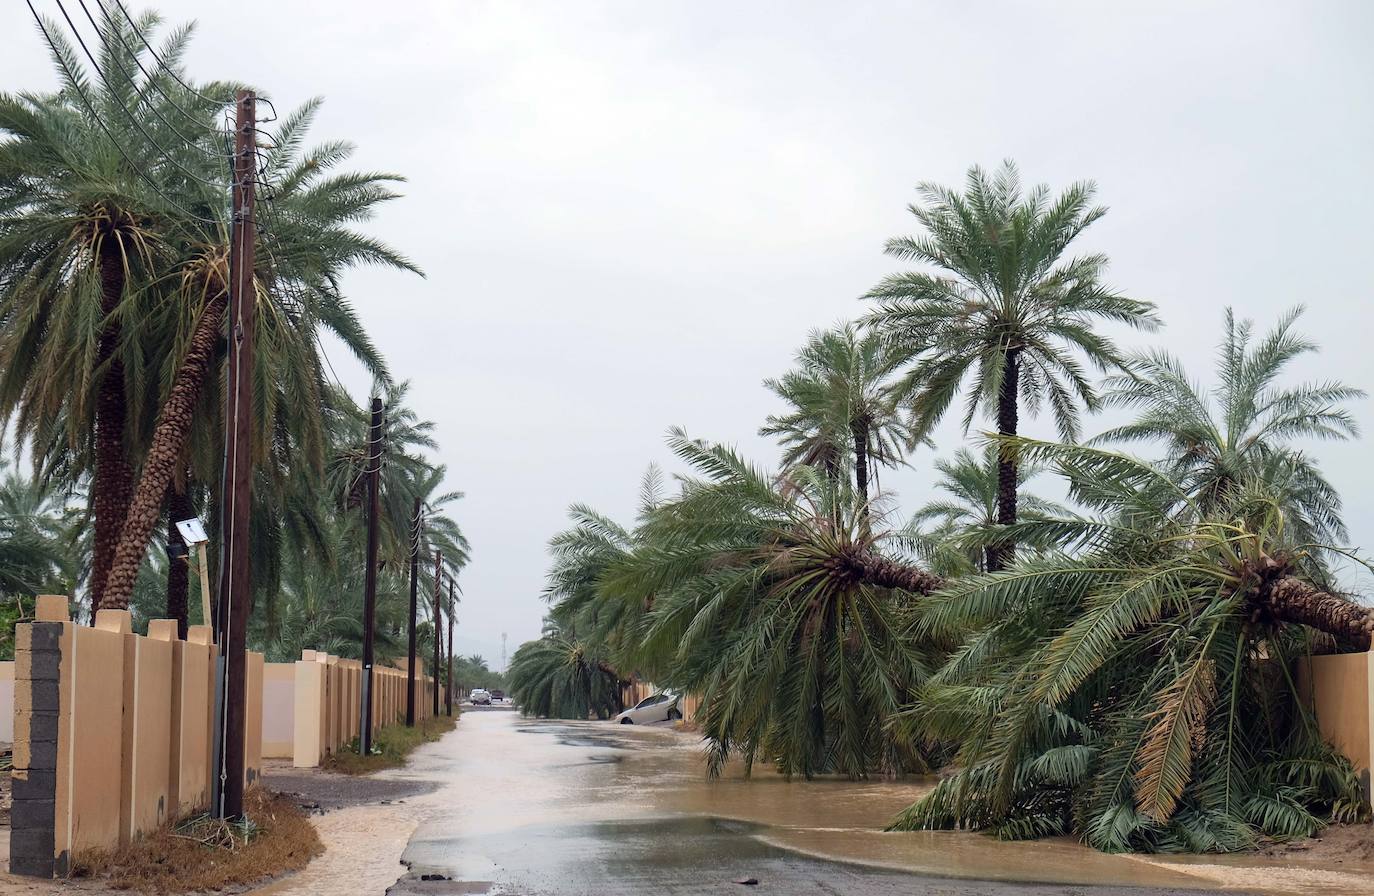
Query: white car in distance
[(661, 707), (479, 697)]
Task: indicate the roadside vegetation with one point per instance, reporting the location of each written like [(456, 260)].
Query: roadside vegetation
[(391, 746), (113, 284), (203, 855), (1117, 665)]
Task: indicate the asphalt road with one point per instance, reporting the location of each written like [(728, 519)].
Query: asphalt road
[(575, 809)]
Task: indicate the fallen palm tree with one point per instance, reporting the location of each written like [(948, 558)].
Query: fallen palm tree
[(1137, 688)]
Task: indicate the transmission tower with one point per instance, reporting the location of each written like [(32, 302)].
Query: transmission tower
[(503, 651)]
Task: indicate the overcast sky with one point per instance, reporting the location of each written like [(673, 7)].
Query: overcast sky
[(631, 213)]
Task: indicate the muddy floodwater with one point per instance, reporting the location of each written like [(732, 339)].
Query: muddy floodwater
[(541, 807)]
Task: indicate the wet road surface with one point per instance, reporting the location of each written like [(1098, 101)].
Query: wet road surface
[(565, 809)]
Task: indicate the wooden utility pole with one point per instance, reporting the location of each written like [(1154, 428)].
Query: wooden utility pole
[(448, 682), (415, 523), (374, 471), (438, 620), (237, 486)]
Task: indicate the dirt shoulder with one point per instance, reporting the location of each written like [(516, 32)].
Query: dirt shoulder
[(365, 823)]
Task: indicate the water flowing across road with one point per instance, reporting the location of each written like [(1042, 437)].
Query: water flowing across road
[(544, 807)]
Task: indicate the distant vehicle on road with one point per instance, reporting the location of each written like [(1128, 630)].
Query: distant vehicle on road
[(479, 697), (498, 696), (660, 707)]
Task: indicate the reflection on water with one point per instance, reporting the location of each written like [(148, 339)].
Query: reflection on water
[(550, 799)]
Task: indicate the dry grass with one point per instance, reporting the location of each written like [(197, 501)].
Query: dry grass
[(390, 748), (201, 854)]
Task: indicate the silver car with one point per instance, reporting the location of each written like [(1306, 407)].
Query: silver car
[(660, 707), (479, 697)]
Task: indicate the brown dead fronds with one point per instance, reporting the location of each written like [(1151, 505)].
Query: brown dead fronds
[(201, 853)]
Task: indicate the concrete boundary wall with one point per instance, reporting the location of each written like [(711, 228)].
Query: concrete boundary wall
[(326, 703), (278, 710), (1340, 688), (112, 732), (7, 702)]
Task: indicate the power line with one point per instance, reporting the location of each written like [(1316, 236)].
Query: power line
[(167, 68), (133, 119), (90, 107), (151, 79)]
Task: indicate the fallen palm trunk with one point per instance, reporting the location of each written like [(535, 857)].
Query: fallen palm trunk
[(1289, 599)]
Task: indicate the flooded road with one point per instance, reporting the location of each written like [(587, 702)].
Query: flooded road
[(531, 807)]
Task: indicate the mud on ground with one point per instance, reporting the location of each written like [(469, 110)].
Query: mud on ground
[(319, 791)]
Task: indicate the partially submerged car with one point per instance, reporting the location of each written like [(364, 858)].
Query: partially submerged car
[(660, 707), (479, 697)]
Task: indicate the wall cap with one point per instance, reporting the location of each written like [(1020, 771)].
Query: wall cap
[(52, 608), (119, 621), (162, 629)]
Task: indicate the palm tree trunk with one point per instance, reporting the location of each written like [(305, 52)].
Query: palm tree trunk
[(179, 507), (1001, 554), (169, 440), (875, 569), (1290, 599), (112, 481), (859, 429)]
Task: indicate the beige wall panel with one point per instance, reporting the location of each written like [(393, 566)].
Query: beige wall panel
[(1340, 686), (94, 771), (147, 734), (7, 702), (308, 707), (278, 710), (193, 676), (252, 728)]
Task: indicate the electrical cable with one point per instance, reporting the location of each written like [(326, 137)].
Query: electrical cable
[(90, 107), (151, 80), (189, 89), (133, 119)]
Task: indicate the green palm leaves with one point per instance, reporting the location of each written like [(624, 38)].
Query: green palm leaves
[(741, 588), (557, 677), (1243, 430), (1138, 690), (1004, 308), (113, 253), (1002, 290), (842, 407)]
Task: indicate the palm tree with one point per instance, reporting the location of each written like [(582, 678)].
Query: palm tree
[(842, 406), (1213, 447), (82, 227), (312, 526), (583, 605), (558, 677), (1135, 689), (1003, 308), (971, 506), (38, 532), (311, 245), (761, 604)]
